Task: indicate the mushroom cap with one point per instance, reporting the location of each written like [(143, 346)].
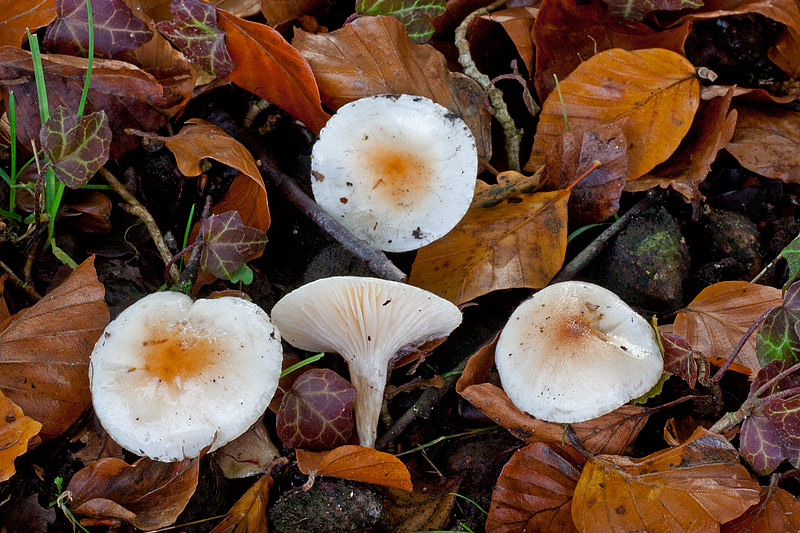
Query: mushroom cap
[(576, 351), (398, 171), (170, 377), (369, 322)]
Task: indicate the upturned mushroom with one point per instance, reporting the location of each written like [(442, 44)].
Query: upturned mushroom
[(398, 171), (170, 377), (370, 322), (576, 351)]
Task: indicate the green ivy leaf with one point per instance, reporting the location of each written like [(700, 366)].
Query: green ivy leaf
[(244, 274), (792, 255), (77, 146), (195, 32), (228, 244), (415, 14), (777, 338)]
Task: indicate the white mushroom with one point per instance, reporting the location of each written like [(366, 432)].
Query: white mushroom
[(576, 351), (398, 171), (369, 322), (170, 377)]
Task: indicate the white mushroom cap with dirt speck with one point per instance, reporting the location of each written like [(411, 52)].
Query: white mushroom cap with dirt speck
[(170, 377), (575, 351), (398, 171), (368, 321)]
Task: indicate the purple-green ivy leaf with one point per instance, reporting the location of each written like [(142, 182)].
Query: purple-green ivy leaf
[(116, 29), (415, 14), (771, 431), (195, 32), (778, 338), (76, 146), (639, 9), (317, 412), (792, 255), (681, 360), (227, 244)]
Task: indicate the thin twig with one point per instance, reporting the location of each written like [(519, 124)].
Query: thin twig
[(766, 269), (374, 259), (136, 209), (598, 245), (27, 287), (499, 109), (738, 348)]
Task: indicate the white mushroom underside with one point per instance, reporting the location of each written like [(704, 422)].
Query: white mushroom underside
[(567, 356), (229, 358), (398, 171), (369, 322)]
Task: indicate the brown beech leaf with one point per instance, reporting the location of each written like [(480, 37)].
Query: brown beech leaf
[(519, 242), (279, 12), (776, 512), (266, 65), (356, 463), (714, 322), (5, 314), (21, 15), (373, 55), (97, 447), (744, 95), (148, 494), (88, 211), (596, 197), (44, 351), (249, 513), (130, 95), (518, 23), (249, 454), (767, 141), (567, 33), (16, 430), (691, 487), (426, 508), (786, 12), (786, 52), (534, 490), (651, 94), (711, 131), (611, 433)]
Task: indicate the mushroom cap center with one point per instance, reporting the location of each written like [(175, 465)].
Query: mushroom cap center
[(175, 354), (399, 173)]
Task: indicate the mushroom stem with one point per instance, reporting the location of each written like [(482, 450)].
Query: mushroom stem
[(370, 383)]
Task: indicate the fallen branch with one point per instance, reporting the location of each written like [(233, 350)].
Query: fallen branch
[(135, 208), (27, 287)]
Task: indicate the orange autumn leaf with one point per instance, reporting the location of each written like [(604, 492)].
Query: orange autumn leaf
[(148, 494), (5, 314), (266, 65), (44, 351), (356, 463), (347, 69), (651, 94), (610, 433), (786, 52), (519, 242), (714, 322), (692, 487), (21, 15), (534, 490), (777, 511), (767, 141), (16, 429), (249, 513), (427, 508)]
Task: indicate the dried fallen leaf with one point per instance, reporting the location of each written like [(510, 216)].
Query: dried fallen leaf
[(347, 69), (567, 33), (97, 447), (767, 141), (786, 52), (249, 513), (777, 511), (651, 94), (786, 12), (279, 12), (426, 508), (148, 494), (20, 16), (534, 490), (692, 487), (16, 430), (248, 454), (611, 433), (714, 322), (44, 351), (639, 10), (116, 29), (711, 130), (88, 211), (317, 412), (681, 360), (518, 24), (356, 463), (520, 242), (259, 53)]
